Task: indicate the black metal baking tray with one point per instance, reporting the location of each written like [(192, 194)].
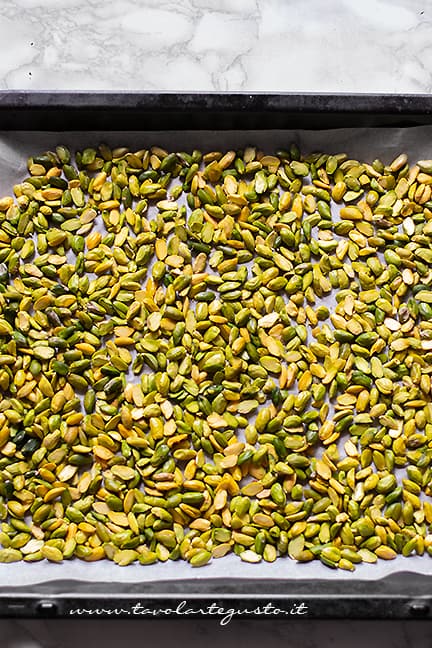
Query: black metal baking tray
[(403, 594), (202, 111)]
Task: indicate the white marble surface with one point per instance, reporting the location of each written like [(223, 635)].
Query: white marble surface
[(222, 45), (274, 45)]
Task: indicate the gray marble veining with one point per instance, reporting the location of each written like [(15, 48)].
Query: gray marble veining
[(257, 45)]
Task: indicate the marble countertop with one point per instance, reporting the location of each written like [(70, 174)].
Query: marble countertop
[(273, 45), (217, 45)]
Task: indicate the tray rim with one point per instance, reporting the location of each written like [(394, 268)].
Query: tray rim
[(394, 103)]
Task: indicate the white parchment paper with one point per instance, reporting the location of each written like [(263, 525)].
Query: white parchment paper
[(363, 143)]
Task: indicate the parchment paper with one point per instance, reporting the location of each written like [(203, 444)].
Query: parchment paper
[(363, 143)]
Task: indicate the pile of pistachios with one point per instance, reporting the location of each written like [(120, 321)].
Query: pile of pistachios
[(205, 354)]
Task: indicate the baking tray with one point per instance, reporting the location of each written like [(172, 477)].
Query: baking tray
[(401, 589)]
